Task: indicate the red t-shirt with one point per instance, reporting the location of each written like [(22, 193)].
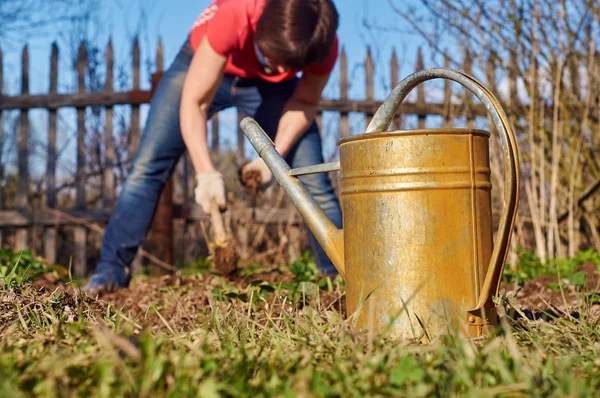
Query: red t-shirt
[(229, 26)]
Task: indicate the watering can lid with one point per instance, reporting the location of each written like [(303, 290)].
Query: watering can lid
[(435, 131)]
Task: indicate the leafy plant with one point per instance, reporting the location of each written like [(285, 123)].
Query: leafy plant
[(20, 267), (529, 266)]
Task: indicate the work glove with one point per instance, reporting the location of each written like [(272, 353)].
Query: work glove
[(259, 167), (210, 188)]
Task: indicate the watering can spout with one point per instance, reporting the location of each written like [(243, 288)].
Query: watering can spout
[(329, 236)]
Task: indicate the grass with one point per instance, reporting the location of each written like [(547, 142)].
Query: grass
[(270, 339)]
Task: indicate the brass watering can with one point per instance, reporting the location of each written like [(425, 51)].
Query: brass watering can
[(416, 250)]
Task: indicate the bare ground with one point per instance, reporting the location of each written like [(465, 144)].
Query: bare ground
[(179, 303)]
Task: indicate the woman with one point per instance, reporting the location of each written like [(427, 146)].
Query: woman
[(242, 53)]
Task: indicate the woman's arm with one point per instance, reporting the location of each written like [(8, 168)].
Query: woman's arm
[(201, 83), (298, 114), (299, 111)]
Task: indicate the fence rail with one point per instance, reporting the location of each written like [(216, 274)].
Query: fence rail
[(24, 217)]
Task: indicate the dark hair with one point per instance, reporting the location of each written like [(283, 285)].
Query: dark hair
[(297, 33)]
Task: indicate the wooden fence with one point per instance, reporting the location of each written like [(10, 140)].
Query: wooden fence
[(24, 216)]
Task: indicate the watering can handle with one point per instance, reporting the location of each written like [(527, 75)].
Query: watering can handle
[(384, 116)]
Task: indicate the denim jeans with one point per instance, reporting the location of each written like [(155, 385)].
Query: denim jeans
[(161, 146)]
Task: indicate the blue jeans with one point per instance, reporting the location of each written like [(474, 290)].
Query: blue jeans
[(161, 146)]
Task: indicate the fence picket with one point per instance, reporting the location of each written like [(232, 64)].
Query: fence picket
[(109, 146), (1, 143), (51, 166), (241, 138), (448, 105), (1, 149), (344, 120), (215, 133), (369, 82), (81, 67), (80, 233), (421, 91), (135, 109), (23, 154), (50, 233), (394, 81)]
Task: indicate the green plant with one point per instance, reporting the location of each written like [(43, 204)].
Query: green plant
[(20, 267), (529, 266)]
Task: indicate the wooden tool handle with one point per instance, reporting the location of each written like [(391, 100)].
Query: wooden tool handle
[(217, 222)]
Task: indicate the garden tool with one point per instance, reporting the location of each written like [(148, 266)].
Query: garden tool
[(224, 257), (416, 251)]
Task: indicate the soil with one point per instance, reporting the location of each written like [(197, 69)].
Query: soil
[(224, 259), (252, 180), (180, 303), (547, 295)]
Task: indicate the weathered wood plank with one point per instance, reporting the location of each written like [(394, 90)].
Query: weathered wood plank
[(495, 151), (81, 66), (139, 97), (369, 70), (160, 58), (188, 178), (22, 234), (344, 119), (23, 141), (110, 158), (275, 216), (1, 142), (80, 233), (394, 80), (241, 138), (50, 245), (79, 258), (160, 239), (1, 148), (214, 133), (21, 239), (134, 137), (420, 93), (75, 100), (190, 211), (52, 119), (448, 105), (20, 219)]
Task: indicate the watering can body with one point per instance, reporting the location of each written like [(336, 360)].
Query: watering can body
[(416, 251), (418, 236)]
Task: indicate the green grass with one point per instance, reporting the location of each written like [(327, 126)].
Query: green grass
[(273, 339)]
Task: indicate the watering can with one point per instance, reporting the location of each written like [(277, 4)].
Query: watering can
[(417, 250)]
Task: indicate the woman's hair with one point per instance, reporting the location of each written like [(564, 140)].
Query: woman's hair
[(297, 33)]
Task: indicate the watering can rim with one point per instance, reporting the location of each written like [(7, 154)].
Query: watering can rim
[(404, 133)]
